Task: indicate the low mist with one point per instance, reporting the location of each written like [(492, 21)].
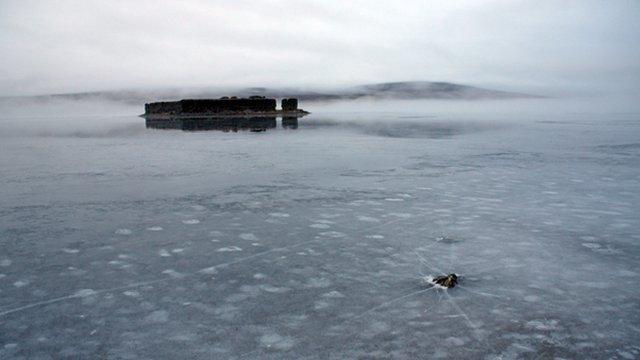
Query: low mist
[(95, 117)]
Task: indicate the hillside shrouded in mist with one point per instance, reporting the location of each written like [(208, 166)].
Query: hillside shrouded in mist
[(398, 90)]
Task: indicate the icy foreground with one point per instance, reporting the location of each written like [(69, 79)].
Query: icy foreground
[(121, 242)]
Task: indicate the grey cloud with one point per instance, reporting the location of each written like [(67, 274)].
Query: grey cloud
[(68, 46)]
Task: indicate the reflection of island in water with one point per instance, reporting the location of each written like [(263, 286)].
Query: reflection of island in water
[(227, 123), (256, 113)]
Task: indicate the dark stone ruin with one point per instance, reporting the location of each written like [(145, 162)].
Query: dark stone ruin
[(289, 104), (211, 106), (255, 113), (447, 281)]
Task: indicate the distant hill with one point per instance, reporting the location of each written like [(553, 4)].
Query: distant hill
[(392, 90), (434, 90)]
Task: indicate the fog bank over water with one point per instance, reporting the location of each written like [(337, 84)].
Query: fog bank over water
[(95, 106), (29, 117)]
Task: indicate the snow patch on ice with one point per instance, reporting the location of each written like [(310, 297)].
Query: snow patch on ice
[(454, 341), (333, 294), (375, 236), (158, 316), (84, 293), (210, 270), (131, 293), (318, 283), (21, 283), (229, 249), (333, 234), (376, 328), (323, 221), (321, 305), (279, 215), (274, 289), (401, 215), (329, 216), (174, 274), (542, 324), (626, 355), (226, 312), (591, 245), (277, 342), (248, 236)]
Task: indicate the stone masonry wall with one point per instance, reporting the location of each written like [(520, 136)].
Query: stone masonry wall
[(289, 104), (211, 106), (172, 107)]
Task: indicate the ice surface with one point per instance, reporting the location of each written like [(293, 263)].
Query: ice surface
[(121, 242)]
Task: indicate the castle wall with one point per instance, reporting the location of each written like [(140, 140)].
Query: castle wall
[(171, 107), (224, 105), (198, 106), (289, 104)]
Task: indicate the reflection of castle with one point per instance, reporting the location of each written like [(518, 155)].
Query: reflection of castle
[(227, 123), (290, 122), (255, 113)]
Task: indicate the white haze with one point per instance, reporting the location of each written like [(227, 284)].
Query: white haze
[(97, 117), (533, 46)]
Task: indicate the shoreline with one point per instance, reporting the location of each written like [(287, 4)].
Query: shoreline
[(253, 114)]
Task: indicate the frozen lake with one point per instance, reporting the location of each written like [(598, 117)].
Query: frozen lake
[(122, 242)]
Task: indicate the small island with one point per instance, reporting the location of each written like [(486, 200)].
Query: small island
[(223, 107), (256, 113)]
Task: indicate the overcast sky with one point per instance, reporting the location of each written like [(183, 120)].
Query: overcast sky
[(73, 46)]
